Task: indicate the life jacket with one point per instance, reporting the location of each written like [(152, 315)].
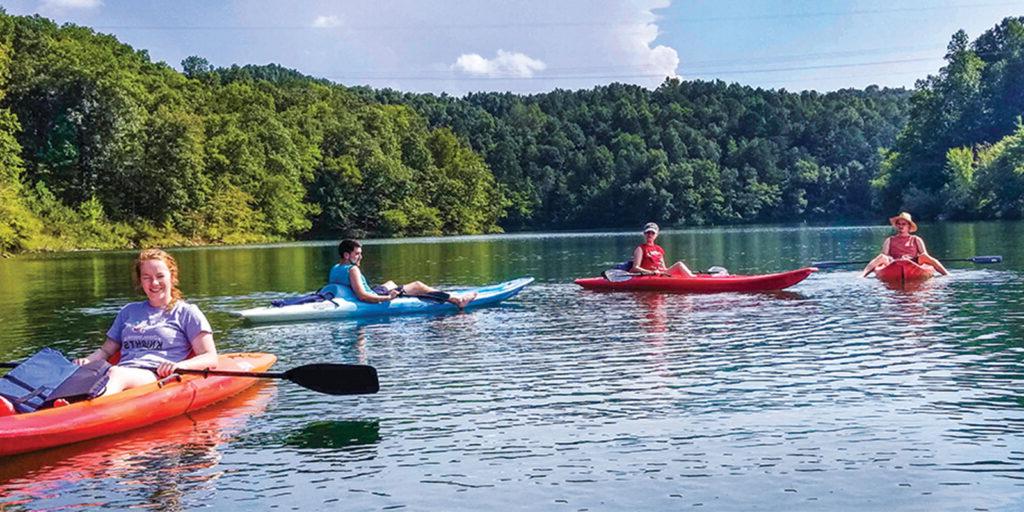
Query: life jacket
[(47, 376), (328, 292)]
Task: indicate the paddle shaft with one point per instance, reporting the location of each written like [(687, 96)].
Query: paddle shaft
[(976, 259), (232, 373), (183, 371), (332, 379)]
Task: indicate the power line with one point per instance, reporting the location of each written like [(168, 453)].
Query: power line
[(555, 76), (658, 20), (849, 13)]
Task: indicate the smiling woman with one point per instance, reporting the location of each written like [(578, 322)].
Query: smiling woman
[(154, 337)]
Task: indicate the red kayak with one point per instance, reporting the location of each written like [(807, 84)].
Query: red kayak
[(701, 283), (127, 410), (902, 272)]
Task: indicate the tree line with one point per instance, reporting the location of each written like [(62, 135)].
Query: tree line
[(961, 154), (102, 148)]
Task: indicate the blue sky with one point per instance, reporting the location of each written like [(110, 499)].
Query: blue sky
[(460, 46)]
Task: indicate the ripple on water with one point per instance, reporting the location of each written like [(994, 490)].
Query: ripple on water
[(840, 395)]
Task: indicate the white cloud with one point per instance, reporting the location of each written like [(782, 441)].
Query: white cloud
[(441, 45), (504, 64), (58, 5), (657, 60), (327, 22)]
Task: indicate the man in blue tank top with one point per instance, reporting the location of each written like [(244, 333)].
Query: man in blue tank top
[(348, 274)]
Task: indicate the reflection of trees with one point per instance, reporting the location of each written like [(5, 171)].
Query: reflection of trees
[(334, 434)]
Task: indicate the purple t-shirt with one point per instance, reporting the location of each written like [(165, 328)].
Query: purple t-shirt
[(150, 336)]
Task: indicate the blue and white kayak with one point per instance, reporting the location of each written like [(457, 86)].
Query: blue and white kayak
[(340, 307)]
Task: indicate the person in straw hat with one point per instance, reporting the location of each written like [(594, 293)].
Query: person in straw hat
[(903, 245), (649, 258)]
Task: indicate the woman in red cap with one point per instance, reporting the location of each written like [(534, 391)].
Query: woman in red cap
[(649, 258), (903, 245)]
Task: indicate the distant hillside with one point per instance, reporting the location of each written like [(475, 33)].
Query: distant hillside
[(101, 147)]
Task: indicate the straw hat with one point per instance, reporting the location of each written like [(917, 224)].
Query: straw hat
[(903, 216)]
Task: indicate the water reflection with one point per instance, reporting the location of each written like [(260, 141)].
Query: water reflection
[(154, 467), (838, 394), (655, 312), (334, 434)]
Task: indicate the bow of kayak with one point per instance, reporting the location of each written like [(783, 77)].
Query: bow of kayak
[(902, 272), (129, 409), (339, 308), (701, 283)]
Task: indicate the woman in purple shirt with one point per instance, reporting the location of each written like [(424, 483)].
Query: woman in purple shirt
[(155, 336)]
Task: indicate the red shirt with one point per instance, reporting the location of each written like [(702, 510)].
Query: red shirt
[(900, 246), (654, 257)]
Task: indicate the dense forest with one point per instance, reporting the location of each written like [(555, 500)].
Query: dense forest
[(961, 154), (101, 148), (686, 153)]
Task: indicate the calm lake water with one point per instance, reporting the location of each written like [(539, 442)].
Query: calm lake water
[(838, 394)]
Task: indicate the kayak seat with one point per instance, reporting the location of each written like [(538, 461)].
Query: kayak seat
[(332, 291), (47, 376)]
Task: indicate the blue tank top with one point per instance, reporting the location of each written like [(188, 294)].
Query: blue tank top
[(339, 275)]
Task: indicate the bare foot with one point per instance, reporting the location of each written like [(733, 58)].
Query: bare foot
[(464, 299)]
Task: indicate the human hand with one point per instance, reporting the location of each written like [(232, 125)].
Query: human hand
[(165, 369), (393, 294)]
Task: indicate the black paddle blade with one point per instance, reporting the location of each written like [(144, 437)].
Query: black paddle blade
[(986, 259), (336, 379)]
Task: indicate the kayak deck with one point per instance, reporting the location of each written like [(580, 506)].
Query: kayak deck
[(701, 283), (130, 409), (339, 308), (902, 272)]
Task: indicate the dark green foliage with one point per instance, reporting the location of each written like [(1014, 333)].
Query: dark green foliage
[(686, 153), (974, 102), (115, 150), (18, 225), (1000, 178)]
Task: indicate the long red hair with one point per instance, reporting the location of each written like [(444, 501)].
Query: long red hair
[(158, 254)]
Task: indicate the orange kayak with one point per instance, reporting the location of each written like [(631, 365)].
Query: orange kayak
[(701, 283), (901, 272), (127, 410)]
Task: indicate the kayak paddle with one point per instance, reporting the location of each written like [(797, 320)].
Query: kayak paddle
[(976, 259), (329, 378), (617, 275)]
